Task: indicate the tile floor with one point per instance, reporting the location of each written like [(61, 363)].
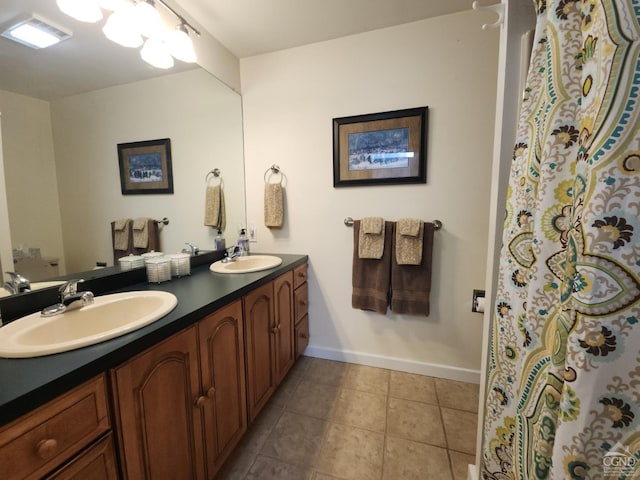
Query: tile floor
[(338, 421)]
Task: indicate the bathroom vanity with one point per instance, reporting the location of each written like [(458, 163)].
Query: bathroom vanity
[(170, 400)]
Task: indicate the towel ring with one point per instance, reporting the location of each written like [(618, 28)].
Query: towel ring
[(273, 170), (216, 174)]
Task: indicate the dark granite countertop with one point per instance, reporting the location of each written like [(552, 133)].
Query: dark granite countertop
[(30, 382)]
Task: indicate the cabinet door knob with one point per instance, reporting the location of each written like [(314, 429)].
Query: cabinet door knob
[(303, 302), (46, 448), (303, 335), (211, 393), (274, 329), (200, 401)]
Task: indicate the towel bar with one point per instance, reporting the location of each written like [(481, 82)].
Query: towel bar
[(437, 224), (164, 221)]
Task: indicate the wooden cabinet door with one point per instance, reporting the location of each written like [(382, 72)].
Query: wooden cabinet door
[(221, 341), (284, 320), (158, 401), (260, 329)]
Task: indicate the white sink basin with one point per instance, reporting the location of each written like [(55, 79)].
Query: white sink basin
[(250, 263), (107, 317)]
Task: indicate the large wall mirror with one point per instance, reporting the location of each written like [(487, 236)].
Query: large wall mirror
[(60, 129)]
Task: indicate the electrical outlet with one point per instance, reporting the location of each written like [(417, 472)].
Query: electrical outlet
[(252, 232)]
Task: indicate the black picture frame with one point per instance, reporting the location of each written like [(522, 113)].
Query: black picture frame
[(145, 167), (383, 148)]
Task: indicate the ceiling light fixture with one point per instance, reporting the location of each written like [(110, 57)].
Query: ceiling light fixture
[(82, 10), (35, 32), (132, 20), (120, 28), (148, 19), (180, 45), (156, 53)]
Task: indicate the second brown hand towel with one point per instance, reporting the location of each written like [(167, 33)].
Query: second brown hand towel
[(370, 277), (411, 284)]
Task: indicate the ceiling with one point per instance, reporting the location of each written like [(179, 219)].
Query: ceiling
[(253, 27), (89, 61)]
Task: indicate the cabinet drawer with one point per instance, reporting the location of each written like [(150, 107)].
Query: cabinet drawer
[(47, 437), (98, 462), (299, 275), (302, 335), (301, 302)]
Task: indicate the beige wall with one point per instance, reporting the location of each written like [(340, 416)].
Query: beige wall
[(289, 99), (31, 181)]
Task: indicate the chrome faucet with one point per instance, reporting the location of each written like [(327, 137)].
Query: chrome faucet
[(70, 299), (231, 253), (191, 249), (17, 283)]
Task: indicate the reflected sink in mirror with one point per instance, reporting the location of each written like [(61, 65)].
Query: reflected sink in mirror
[(246, 264), (35, 286), (108, 317)]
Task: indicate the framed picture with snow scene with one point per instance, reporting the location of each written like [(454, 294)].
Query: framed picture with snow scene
[(145, 167), (380, 148)]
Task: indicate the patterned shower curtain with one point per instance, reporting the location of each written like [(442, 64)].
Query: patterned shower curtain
[(563, 385)]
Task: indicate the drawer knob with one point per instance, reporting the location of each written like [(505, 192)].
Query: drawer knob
[(303, 303), (304, 335), (46, 448), (200, 401), (211, 393)]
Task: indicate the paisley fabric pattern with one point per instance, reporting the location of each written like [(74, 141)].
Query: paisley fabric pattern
[(563, 385)]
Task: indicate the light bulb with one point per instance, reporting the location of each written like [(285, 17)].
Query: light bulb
[(148, 19), (155, 52), (121, 28), (180, 44), (82, 10)]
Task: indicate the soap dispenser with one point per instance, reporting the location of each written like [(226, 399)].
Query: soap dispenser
[(219, 241), (243, 242)]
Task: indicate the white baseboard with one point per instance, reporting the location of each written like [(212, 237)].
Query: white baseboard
[(392, 363)]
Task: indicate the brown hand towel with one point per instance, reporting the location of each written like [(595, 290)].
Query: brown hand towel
[(214, 207), (121, 232), (371, 238), (153, 236), (411, 284), (273, 205), (409, 234), (370, 277), (140, 232)]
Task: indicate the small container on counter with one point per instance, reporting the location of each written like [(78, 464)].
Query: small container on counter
[(180, 264), (152, 254), (158, 269), (131, 261)]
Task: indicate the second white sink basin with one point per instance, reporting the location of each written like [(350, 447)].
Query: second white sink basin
[(246, 264), (109, 316)]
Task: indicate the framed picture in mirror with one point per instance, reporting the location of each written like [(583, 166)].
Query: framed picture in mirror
[(145, 167), (380, 148)]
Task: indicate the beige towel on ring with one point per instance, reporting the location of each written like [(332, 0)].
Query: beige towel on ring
[(273, 205), (214, 208), (141, 232), (371, 237), (121, 230), (409, 235)]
